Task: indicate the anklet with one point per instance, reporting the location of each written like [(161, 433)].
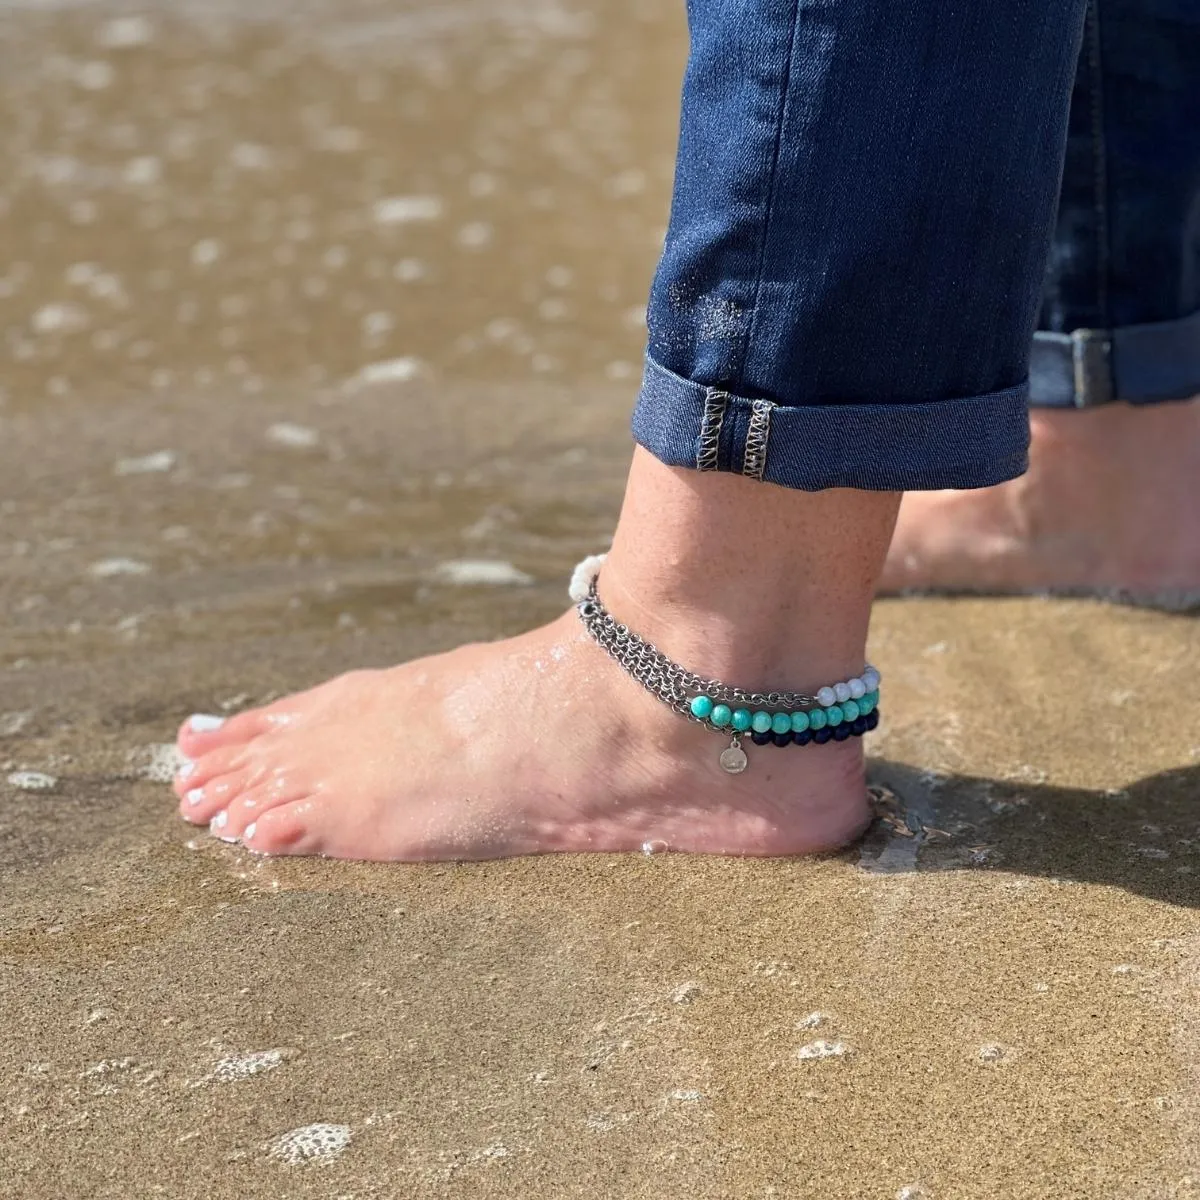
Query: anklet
[(835, 713)]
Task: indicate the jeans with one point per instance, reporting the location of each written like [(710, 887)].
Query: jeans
[(896, 225)]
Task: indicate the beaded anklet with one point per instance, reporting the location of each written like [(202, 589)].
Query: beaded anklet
[(835, 713)]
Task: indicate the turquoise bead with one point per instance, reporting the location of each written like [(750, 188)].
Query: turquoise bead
[(850, 710), (874, 698), (834, 715), (761, 722), (781, 723), (721, 716), (702, 707), (799, 722), (741, 719), (817, 718)]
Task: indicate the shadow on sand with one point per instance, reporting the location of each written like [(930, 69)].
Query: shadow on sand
[(1144, 838)]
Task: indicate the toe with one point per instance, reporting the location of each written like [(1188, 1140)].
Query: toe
[(288, 829), (196, 773), (203, 733), (201, 803), (251, 805), (219, 827)]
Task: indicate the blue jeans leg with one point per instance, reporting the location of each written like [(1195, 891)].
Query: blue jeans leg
[(1121, 318), (864, 203)]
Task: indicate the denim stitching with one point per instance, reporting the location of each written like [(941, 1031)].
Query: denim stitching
[(754, 460), (785, 83), (709, 444)]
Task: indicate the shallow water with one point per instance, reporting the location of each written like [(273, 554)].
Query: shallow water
[(321, 327)]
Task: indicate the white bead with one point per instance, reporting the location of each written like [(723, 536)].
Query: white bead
[(871, 678), (858, 689), (826, 696), (581, 579), (841, 691)]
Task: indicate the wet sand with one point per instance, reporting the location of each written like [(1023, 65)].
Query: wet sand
[(298, 310)]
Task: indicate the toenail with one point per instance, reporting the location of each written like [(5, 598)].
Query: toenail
[(195, 795), (217, 824), (204, 723), (248, 833), (187, 769)]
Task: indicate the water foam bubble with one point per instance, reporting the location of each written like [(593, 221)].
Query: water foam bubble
[(319, 1143), (147, 464), (106, 568), (392, 370), (245, 1066), (298, 437), (400, 210), (822, 1049), (471, 571), (11, 723), (123, 33), (32, 781), (162, 761)]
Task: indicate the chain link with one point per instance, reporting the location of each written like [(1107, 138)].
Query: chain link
[(662, 677)]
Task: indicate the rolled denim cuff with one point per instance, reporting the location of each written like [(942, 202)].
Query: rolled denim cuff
[(972, 442), (1139, 364)]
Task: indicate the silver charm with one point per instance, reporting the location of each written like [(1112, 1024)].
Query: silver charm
[(733, 757)]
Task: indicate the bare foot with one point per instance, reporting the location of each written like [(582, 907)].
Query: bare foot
[(543, 743), (1109, 504), (535, 744)]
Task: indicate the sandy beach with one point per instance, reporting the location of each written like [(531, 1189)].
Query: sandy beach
[(321, 334)]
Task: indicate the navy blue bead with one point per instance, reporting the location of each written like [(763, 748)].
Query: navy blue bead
[(762, 739), (859, 727), (783, 739), (821, 736), (803, 738), (841, 732), (872, 719)]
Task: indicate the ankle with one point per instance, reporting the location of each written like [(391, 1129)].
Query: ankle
[(1118, 439), (761, 586), (754, 650)]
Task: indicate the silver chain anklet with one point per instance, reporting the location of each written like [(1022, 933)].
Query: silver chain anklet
[(835, 713)]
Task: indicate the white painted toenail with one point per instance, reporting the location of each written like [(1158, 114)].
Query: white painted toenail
[(204, 723), (249, 831), (186, 770), (217, 824), (195, 795)]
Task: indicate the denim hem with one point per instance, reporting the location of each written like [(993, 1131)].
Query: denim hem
[(972, 442), (1139, 364)]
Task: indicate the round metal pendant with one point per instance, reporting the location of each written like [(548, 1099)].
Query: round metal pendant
[(734, 760)]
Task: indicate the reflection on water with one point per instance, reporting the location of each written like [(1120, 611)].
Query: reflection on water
[(300, 303), (193, 198)]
